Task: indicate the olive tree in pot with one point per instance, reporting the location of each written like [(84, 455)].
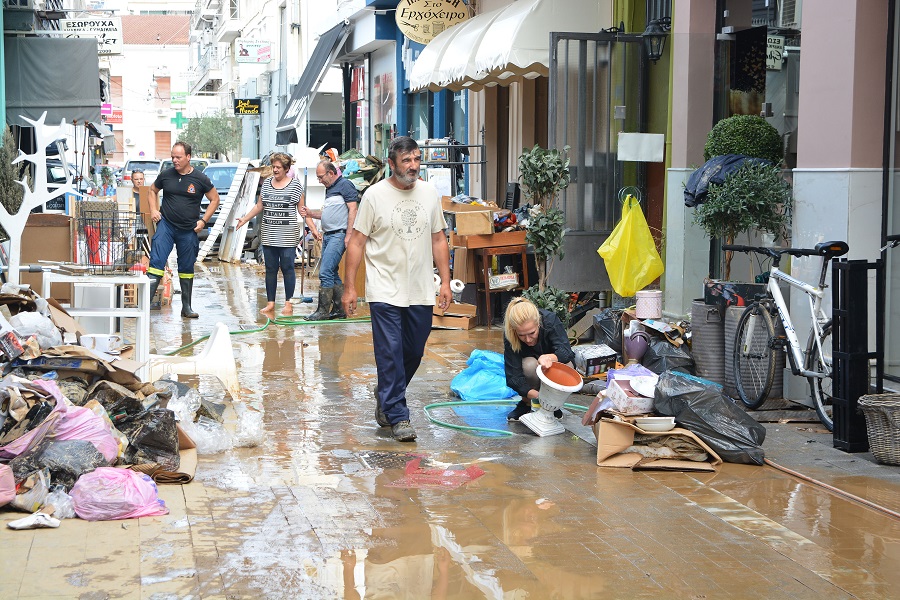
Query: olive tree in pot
[(545, 173)]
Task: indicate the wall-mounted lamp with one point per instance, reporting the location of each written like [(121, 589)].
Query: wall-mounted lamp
[(655, 37)]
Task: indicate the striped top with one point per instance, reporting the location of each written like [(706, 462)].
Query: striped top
[(281, 223)]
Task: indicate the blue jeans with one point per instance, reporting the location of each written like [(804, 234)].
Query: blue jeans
[(332, 251), (399, 335), (277, 258), (186, 244)]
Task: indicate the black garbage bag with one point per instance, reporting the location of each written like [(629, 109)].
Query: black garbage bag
[(608, 329), (664, 356), (701, 407), (152, 438), (67, 460)]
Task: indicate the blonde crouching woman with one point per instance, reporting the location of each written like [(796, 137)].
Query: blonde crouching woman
[(532, 336)]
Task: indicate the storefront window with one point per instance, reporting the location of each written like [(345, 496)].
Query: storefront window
[(360, 106), (420, 108), (892, 306), (459, 117)]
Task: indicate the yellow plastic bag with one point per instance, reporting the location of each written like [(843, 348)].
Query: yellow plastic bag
[(629, 252)]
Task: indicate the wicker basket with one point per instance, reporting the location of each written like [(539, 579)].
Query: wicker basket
[(883, 424)]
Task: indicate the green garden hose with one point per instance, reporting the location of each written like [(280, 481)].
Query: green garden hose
[(285, 321), (434, 405)]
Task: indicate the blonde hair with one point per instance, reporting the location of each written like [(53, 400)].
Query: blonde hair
[(285, 159), (519, 311)]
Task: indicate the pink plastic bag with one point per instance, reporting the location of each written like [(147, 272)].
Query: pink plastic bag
[(7, 485), (80, 423), (107, 494), (30, 439)]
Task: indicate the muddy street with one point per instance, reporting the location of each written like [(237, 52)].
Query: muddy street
[(323, 508)]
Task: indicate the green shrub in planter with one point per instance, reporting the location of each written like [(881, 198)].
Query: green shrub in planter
[(553, 299), (755, 197), (749, 135)]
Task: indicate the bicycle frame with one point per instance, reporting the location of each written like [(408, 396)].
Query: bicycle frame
[(814, 295)]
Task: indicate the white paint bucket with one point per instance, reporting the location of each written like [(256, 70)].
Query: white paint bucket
[(649, 304)]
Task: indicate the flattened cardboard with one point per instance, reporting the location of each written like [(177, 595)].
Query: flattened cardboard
[(448, 322), (456, 309), (62, 319), (615, 436)]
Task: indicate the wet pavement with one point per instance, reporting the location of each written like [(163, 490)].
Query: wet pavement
[(313, 512)]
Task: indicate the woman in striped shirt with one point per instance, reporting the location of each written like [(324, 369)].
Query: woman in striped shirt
[(280, 231)]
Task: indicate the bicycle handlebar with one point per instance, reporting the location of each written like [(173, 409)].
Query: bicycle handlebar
[(771, 252)]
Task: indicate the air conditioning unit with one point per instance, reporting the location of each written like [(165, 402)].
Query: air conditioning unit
[(129, 142), (264, 83), (789, 14)]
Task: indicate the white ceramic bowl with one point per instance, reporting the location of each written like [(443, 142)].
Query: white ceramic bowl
[(655, 424)]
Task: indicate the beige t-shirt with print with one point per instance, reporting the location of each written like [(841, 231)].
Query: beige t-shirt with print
[(399, 225)]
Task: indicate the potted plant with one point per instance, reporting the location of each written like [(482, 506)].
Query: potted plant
[(545, 173), (755, 196)]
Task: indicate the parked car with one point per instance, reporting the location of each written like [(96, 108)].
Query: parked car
[(198, 163), (151, 169), (222, 174)]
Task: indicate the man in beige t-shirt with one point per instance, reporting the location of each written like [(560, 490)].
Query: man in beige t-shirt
[(399, 228)]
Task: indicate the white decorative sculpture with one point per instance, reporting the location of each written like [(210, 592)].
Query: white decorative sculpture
[(42, 192)]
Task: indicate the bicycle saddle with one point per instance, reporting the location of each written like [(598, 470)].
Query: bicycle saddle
[(832, 249)]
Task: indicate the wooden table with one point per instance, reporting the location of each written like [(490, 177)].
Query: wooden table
[(483, 261)]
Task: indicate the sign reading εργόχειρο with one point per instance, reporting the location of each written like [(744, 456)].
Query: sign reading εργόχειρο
[(422, 20)]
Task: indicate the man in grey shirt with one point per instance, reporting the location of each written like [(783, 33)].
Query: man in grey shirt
[(337, 216)]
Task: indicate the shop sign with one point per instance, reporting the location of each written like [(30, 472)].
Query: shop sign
[(422, 20), (178, 98), (107, 30), (774, 52), (115, 116), (252, 51), (106, 108), (247, 106)]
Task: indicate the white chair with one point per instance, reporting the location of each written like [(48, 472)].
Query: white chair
[(217, 358)]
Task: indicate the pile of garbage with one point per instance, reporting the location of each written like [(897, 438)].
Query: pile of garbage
[(80, 433)]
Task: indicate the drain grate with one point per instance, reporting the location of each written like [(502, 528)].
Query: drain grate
[(387, 460)]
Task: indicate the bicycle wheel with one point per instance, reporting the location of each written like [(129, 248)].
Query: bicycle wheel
[(820, 387), (754, 355)]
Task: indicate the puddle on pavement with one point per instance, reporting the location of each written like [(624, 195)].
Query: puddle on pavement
[(303, 516)]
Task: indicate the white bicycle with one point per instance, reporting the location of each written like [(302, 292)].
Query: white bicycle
[(756, 342)]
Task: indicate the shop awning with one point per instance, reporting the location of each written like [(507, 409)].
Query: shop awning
[(105, 134), (301, 98), (57, 75), (501, 46)]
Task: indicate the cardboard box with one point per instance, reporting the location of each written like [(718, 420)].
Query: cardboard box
[(48, 237), (470, 219), (448, 322), (457, 309), (594, 359), (613, 437), (626, 400), (505, 238), (463, 265)]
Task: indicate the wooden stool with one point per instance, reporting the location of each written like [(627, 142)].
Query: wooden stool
[(483, 260)]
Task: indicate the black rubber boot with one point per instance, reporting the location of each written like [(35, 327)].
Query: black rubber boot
[(325, 299), (337, 306), (187, 288), (154, 285)]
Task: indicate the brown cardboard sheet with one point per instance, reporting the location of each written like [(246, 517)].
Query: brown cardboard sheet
[(613, 437)]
